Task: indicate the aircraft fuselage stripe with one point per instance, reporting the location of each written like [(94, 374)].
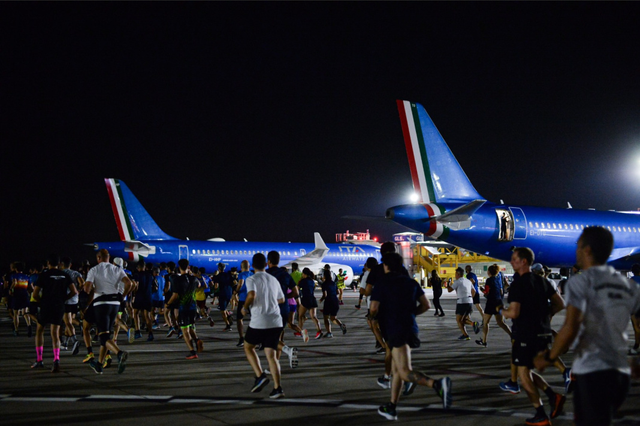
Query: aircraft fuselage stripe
[(412, 144), (408, 145), (114, 207), (118, 210)]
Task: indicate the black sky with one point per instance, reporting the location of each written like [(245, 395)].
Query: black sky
[(269, 121)]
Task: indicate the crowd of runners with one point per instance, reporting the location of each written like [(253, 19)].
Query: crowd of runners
[(107, 301)]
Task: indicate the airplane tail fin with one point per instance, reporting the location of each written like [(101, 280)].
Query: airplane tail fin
[(134, 223), (436, 174)]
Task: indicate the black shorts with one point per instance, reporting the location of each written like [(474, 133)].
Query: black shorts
[(142, 304), (157, 304), (34, 307), (331, 307), (464, 309), (397, 340), (309, 303), (239, 315), (222, 304), (476, 299), (598, 396), (524, 351), (267, 337), (123, 306), (105, 315), (491, 306), (71, 309), (186, 318), (50, 316), (20, 300), (89, 315)]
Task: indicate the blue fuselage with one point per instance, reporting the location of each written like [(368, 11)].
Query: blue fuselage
[(551, 233), (208, 254)]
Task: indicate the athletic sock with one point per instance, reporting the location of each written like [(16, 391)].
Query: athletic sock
[(56, 354), (550, 393), (540, 411), (119, 355), (89, 350), (287, 350), (39, 351), (194, 344), (437, 385)]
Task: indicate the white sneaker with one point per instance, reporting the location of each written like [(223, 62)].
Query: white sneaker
[(293, 357), (305, 336)]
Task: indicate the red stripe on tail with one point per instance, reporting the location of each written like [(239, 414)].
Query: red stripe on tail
[(409, 147), (114, 207)]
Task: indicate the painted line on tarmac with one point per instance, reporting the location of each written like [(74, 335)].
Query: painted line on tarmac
[(468, 410)]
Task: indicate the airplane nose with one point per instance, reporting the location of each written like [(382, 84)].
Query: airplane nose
[(390, 214)]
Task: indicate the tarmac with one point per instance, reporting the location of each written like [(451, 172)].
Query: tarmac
[(334, 384)]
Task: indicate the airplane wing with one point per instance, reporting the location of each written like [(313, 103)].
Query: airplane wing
[(139, 248), (625, 253), (313, 257), (459, 218)]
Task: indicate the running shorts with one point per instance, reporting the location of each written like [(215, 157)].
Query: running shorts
[(267, 337), (524, 351), (476, 299), (20, 300), (598, 396), (186, 317), (142, 304), (239, 315), (105, 316), (71, 309), (222, 304), (464, 309), (51, 316), (157, 304), (491, 307), (89, 315)]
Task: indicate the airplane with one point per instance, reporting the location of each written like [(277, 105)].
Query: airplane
[(450, 209), (141, 239)]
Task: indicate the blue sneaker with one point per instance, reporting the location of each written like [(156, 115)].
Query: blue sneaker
[(510, 386), (463, 337), (138, 335)]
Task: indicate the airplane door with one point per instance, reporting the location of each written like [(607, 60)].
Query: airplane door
[(303, 252), (519, 222), (183, 252)]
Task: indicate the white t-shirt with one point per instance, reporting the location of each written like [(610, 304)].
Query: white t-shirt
[(265, 311), (462, 286), (363, 285), (105, 277), (74, 277), (606, 300)]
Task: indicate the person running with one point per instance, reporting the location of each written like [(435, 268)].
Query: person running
[(436, 285), (103, 280), (599, 304), (71, 307), (494, 302), (51, 293), (264, 298), (464, 303), (396, 301), (241, 290), (308, 302), (184, 293), (142, 300), (20, 297), (225, 291), (331, 305), (532, 303), (471, 276), (286, 283)]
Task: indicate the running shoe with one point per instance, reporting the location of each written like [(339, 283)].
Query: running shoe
[(384, 383), (179, 336), (240, 344), (95, 365), (260, 383), (107, 361), (445, 392), (442, 314), (150, 338), (538, 420), (131, 335), (480, 342), (200, 345), (211, 322), (436, 314), (343, 327), (122, 361), (557, 403), (192, 355), (227, 328), (341, 302), (296, 334), (388, 411), (56, 367), (88, 358), (381, 351), (510, 386), (76, 348), (277, 393), (357, 306), (409, 387), (137, 335), (476, 327), (329, 335), (171, 332), (37, 364), (319, 335), (305, 336), (568, 381), (293, 357), (463, 337)]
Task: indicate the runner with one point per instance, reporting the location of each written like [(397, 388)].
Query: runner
[(331, 305), (264, 298), (53, 284), (20, 297), (184, 293), (494, 302), (71, 307), (465, 293), (103, 280), (308, 302), (241, 290), (396, 301)]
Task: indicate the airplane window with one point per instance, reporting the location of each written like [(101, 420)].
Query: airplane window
[(619, 230), (295, 253), (193, 252), (542, 225), (624, 228), (554, 226), (198, 251), (548, 225), (609, 228), (536, 224), (571, 226), (565, 226)]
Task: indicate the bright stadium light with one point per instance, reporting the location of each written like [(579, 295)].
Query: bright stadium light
[(414, 197)]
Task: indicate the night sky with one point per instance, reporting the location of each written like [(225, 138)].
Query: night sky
[(271, 121)]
